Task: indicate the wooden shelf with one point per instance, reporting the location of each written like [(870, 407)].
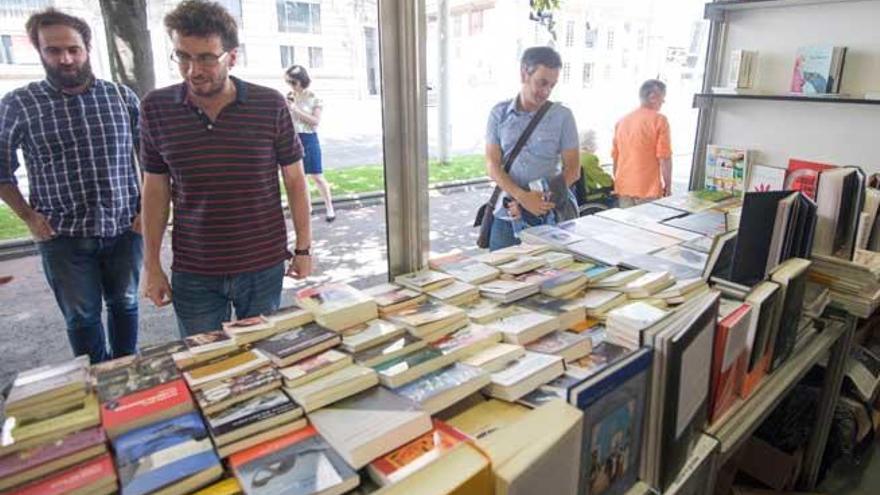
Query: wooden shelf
[(701, 99), (713, 9), (739, 423)]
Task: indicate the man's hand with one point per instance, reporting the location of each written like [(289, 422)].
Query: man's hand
[(39, 227), (513, 210), (157, 288), (300, 267), (136, 225), (534, 203)]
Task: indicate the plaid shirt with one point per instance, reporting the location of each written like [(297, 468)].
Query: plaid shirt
[(78, 151)]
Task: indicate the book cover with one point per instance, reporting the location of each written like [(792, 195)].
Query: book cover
[(331, 297), (17, 462), (614, 406), (464, 268), (289, 317), (387, 350), (813, 70), (208, 341), (466, 341), (231, 388), (523, 368), (30, 385), (729, 360), (164, 453), (391, 294), (305, 341), (557, 342), (250, 412), (407, 362), (427, 390), (314, 365), (368, 334), (406, 460), (224, 368), (130, 376), (803, 176), (423, 279), (424, 314), (82, 478), (136, 407), (726, 169), (708, 223), (301, 462), (765, 178)]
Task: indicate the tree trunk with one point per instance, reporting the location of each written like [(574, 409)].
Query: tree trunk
[(128, 44)]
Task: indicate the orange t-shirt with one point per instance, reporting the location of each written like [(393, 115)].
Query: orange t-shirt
[(641, 140)]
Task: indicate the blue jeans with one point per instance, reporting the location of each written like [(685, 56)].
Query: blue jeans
[(203, 302), (84, 271), (503, 233)]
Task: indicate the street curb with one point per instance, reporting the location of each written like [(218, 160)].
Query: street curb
[(19, 248)]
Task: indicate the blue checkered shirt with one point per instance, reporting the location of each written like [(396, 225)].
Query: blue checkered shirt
[(78, 154)]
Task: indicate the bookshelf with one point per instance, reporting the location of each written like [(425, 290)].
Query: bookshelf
[(704, 99), (715, 9)]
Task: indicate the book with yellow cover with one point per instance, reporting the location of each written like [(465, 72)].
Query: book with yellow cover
[(236, 364), (15, 436)]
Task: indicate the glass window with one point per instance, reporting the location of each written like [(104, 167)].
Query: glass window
[(298, 17), (610, 44), (590, 37), (6, 50), (234, 8), (22, 8), (569, 34), (566, 72), (316, 57), (588, 75), (287, 56)]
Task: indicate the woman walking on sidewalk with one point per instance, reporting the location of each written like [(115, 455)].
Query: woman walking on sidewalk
[(305, 108)]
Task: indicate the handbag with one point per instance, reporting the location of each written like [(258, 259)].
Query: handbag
[(486, 213)]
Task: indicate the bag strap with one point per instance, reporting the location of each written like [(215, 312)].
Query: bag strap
[(520, 143), (135, 163)]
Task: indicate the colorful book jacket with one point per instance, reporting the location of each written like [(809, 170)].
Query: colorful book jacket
[(260, 408), (146, 403), (417, 454), (730, 361), (803, 176)]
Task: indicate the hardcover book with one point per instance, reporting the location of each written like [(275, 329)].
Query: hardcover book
[(299, 463), (803, 176)]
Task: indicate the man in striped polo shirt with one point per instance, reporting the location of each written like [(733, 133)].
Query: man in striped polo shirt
[(77, 134), (214, 145)]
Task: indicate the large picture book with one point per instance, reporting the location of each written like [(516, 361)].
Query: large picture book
[(726, 169), (614, 402), (803, 176), (817, 69)]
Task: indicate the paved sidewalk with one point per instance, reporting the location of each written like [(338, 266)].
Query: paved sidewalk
[(352, 249)]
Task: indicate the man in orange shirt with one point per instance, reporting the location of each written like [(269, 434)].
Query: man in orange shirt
[(641, 151)]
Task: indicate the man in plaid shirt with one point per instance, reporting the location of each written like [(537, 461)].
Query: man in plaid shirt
[(77, 135)]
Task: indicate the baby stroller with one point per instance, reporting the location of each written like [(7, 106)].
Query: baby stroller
[(594, 191)]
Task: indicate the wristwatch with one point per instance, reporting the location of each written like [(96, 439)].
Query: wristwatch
[(302, 252)]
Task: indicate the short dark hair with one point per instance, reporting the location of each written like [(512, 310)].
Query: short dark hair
[(650, 86), (202, 18), (52, 17), (298, 73), (540, 55)]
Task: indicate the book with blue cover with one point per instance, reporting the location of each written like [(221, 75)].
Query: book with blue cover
[(817, 69), (614, 403), (172, 453)]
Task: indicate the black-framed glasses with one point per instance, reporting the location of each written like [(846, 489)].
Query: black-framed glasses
[(204, 59)]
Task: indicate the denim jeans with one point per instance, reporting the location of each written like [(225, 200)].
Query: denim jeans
[(83, 272), (203, 302), (503, 233)]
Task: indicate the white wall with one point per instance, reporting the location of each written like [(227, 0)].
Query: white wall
[(843, 134)]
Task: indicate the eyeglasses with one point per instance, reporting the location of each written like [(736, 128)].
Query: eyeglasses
[(204, 60)]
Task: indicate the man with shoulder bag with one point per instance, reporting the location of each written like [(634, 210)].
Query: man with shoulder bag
[(526, 138)]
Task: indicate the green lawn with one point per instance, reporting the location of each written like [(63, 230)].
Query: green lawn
[(354, 180)]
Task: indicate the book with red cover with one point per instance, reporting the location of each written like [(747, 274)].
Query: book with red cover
[(729, 361), (145, 407), (17, 463), (94, 476), (803, 176), (400, 463)]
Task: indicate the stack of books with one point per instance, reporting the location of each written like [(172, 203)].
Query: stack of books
[(430, 320), (625, 324), (392, 297), (337, 306), (854, 285), (465, 269), (522, 326), (508, 291)]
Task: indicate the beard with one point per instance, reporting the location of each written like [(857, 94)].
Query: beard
[(67, 77), (207, 86)]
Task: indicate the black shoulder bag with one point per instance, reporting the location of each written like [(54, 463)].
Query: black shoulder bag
[(486, 213)]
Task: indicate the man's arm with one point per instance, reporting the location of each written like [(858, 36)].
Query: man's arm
[(156, 197), (664, 155), (666, 174), (571, 165), (300, 211), (533, 201), (35, 221)]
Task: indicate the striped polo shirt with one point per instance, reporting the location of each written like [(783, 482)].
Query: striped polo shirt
[(224, 176)]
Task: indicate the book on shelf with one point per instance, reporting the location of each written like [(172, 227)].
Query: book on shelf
[(567, 345), (730, 356), (94, 476), (315, 367), (336, 305), (485, 418), (540, 453), (765, 240), (430, 320), (742, 68), (679, 394), (236, 364), (16, 436), (840, 196), (792, 279), (507, 291), (248, 423), (696, 475), (174, 454), (766, 302), (37, 462), (818, 69), (370, 424), (868, 236), (424, 280), (145, 407), (719, 262), (570, 312), (803, 176), (333, 387), (467, 341), (297, 344), (763, 178), (369, 334), (614, 404), (229, 391), (522, 326), (392, 297), (524, 375), (464, 268), (726, 169), (445, 387), (394, 466), (301, 462), (496, 357)]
